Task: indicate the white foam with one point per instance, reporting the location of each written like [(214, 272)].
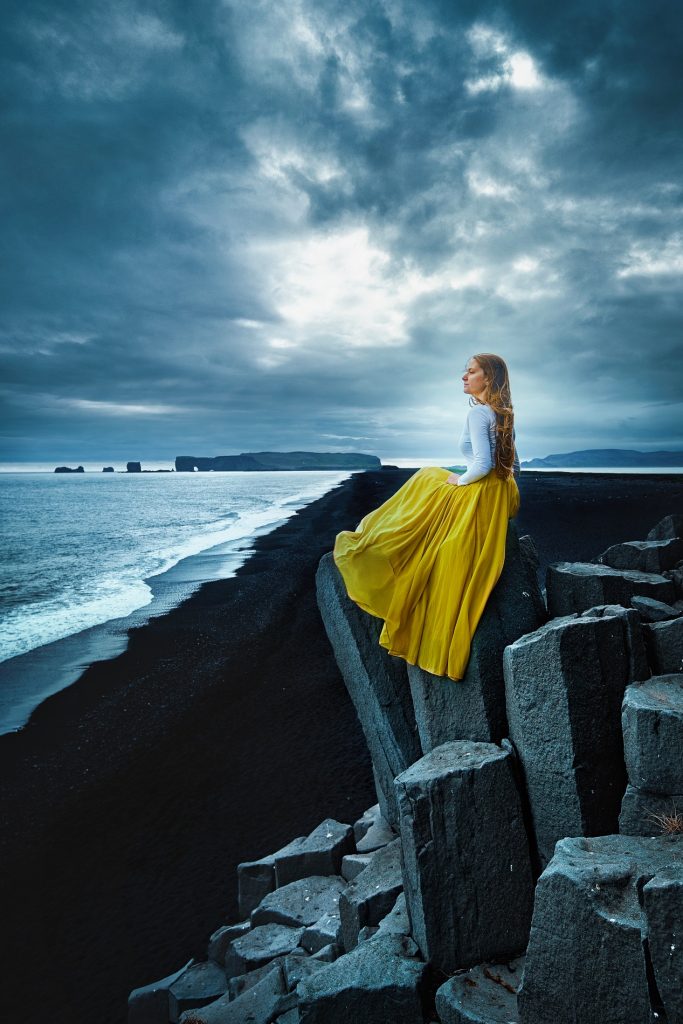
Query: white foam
[(94, 600)]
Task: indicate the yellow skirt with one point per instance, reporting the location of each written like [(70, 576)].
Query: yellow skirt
[(426, 562)]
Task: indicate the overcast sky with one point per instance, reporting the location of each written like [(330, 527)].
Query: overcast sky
[(277, 225)]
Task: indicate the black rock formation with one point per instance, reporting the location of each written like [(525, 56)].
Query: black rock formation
[(277, 460)]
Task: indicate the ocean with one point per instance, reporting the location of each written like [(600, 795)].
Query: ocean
[(83, 550)]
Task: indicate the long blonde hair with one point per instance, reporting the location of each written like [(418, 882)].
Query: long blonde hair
[(497, 395)]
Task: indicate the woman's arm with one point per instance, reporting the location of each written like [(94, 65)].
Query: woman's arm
[(478, 422)]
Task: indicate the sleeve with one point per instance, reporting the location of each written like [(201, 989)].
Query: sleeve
[(482, 462), (516, 468)]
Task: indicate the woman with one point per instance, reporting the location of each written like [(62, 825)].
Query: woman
[(427, 559)]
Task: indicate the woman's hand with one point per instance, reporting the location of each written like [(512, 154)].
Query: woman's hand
[(452, 478)]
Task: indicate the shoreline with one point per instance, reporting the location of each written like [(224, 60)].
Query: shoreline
[(57, 664), (220, 733)]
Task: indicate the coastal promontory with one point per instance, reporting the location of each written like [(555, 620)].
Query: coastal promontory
[(256, 461)]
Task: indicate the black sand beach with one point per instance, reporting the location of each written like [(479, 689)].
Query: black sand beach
[(223, 731)]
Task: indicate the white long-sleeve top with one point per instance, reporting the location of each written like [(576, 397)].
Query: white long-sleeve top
[(478, 444)]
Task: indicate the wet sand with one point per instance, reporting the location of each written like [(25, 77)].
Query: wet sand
[(223, 731)]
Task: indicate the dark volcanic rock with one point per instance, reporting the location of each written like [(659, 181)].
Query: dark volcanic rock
[(380, 980), (650, 814), (320, 853), (259, 945), (669, 526), (372, 894), (133, 467), (652, 722), (665, 645), (486, 994), (588, 898), (466, 869), (663, 902), (300, 903), (474, 707), (200, 984), (564, 687), (644, 555), (377, 682), (575, 586), (149, 1004), (68, 469)]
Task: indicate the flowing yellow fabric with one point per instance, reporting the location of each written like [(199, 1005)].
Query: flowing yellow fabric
[(426, 562)]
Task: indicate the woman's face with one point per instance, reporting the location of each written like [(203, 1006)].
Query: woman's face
[(473, 379)]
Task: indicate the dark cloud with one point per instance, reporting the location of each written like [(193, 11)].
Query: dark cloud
[(233, 226)]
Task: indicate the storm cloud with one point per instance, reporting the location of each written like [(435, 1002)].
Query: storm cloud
[(231, 227)]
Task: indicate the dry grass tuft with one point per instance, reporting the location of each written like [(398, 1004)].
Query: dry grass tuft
[(669, 824)]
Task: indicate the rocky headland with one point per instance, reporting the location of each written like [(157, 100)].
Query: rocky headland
[(524, 860), (277, 460), (619, 458)]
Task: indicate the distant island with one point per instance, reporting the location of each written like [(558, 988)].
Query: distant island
[(68, 469), (613, 457), (259, 461)]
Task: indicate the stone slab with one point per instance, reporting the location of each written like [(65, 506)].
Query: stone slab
[(576, 586), (376, 681), (587, 899), (652, 725), (564, 688), (466, 867)]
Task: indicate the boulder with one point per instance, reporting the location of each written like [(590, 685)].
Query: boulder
[(200, 984), (669, 526), (644, 555), (564, 686), (379, 834), (328, 953), (654, 611), (575, 586), (260, 945), (663, 903), (372, 894), (300, 903), (652, 724), (485, 994), (320, 853), (256, 878), (397, 921), (474, 707), (651, 814), (634, 637), (326, 929), (664, 642), (149, 1004), (466, 868), (380, 980), (297, 967), (376, 681), (222, 937), (259, 1004), (587, 899), (366, 820), (241, 982), (353, 864)]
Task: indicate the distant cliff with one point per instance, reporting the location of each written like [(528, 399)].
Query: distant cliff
[(259, 461), (617, 457)]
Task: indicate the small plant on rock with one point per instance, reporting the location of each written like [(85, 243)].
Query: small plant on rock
[(669, 824)]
